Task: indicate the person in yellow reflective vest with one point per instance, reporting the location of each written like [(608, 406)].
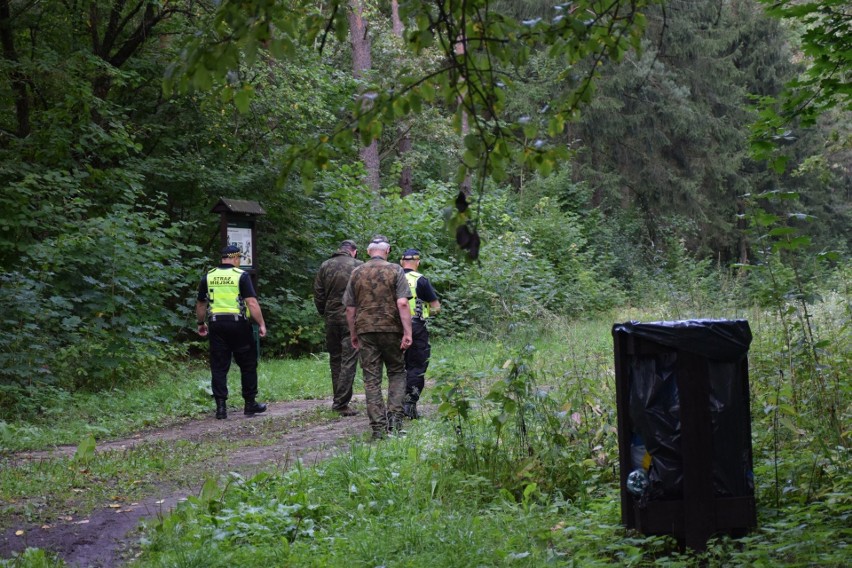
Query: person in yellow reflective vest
[(424, 304), (225, 305)]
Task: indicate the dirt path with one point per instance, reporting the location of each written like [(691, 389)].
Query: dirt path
[(103, 538)]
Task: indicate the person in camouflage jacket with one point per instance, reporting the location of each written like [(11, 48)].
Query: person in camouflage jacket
[(379, 320), (329, 285)]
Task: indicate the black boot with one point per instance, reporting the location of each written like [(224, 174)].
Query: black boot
[(409, 407), (395, 424), (221, 409), (252, 407)]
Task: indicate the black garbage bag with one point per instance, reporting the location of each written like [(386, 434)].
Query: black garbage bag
[(655, 417), (724, 340), (654, 403)]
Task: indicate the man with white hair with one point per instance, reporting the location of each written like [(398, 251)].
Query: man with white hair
[(379, 320)]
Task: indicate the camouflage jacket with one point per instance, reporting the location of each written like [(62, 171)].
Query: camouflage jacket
[(329, 285), (373, 291)]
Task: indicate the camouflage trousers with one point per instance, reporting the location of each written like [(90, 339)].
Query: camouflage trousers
[(379, 349), (343, 359)]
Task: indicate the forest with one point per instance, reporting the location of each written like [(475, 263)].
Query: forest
[(561, 166)]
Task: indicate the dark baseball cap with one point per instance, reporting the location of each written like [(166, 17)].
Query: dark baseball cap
[(411, 254), (347, 244), (230, 251)]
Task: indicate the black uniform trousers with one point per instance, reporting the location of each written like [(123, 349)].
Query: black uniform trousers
[(417, 360), (233, 339)]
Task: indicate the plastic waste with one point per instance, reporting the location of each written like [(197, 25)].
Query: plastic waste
[(639, 453), (638, 482)]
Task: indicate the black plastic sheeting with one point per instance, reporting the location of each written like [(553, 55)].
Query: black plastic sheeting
[(654, 403), (724, 340), (731, 422), (655, 417)]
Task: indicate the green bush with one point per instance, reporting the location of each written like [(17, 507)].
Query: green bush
[(100, 303), (515, 429)]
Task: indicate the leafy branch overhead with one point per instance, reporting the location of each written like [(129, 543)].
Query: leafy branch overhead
[(479, 49), (826, 83)]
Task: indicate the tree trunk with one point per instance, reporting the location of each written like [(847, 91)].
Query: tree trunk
[(742, 228), (18, 80), (405, 176), (362, 62), (136, 22), (398, 28), (405, 143)]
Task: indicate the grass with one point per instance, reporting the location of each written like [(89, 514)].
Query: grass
[(417, 500), (407, 502), (401, 503), (171, 398), (300, 379), (37, 491), (377, 503), (42, 490)]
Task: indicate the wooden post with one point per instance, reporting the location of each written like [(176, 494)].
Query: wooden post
[(622, 395), (696, 446)]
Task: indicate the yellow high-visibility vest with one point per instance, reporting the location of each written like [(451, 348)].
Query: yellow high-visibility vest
[(223, 290), (419, 308)]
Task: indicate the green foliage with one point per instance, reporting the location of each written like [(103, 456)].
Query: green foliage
[(331, 517), (297, 328), (106, 226), (535, 261), (784, 281), (682, 286), (99, 298), (664, 135), (85, 451), (466, 490), (558, 504), (823, 85), (33, 558), (519, 432), (554, 212), (473, 79)]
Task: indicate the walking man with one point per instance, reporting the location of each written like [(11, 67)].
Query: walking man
[(329, 285), (379, 320), (226, 298), (423, 304)]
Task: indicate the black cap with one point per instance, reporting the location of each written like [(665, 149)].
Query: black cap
[(411, 254), (231, 251), (347, 244)]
